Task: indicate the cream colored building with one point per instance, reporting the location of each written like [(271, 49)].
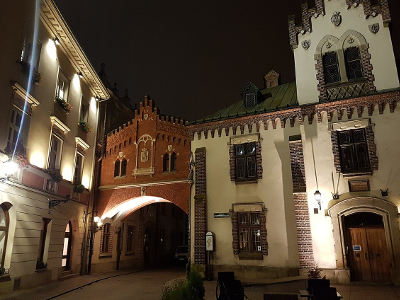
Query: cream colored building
[(50, 96), (307, 173)]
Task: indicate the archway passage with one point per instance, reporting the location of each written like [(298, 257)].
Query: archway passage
[(366, 247)]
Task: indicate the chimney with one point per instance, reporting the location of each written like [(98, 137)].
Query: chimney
[(271, 79)]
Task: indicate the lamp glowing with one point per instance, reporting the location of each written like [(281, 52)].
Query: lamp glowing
[(80, 74), (10, 167), (96, 219), (56, 41), (317, 196)]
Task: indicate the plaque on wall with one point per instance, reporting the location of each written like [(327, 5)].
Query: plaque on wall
[(359, 185)]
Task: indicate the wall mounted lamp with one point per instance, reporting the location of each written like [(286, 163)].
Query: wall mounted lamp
[(80, 74), (8, 168), (317, 196), (56, 41)]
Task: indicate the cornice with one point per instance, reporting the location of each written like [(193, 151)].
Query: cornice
[(56, 25), (321, 110)]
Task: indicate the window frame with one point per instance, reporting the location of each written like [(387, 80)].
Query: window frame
[(169, 162), (249, 227), (78, 169), (27, 52), (58, 151), (106, 242), (247, 167), (65, 82), (5, 229), (120, 167)]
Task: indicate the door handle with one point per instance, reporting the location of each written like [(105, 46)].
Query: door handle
[(366, 256)]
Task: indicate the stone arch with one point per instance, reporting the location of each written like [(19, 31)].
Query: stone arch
[(386, 209), (319, 49), (358, 37)]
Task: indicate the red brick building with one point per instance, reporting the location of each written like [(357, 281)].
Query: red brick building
[(145, 162)]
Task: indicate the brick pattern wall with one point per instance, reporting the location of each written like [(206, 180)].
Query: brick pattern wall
[(297, 165), (319, 9), (200, 230), (373, 158), (263, 223), (304, 238), (235, 232), (200, 207), (232, 165)]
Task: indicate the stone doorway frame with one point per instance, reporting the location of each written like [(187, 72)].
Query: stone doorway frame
[(384, 208)]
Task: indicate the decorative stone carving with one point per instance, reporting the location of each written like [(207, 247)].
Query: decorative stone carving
[(144, 155), (306, 44), (146, 116), (351, 40), (169, 148), (374, 28), (328, 45), (336, 18)]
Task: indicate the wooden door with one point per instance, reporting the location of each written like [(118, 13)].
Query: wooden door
[(368, 256)]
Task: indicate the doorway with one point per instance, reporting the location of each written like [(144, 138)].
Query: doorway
[(65, 263), (366, 247)]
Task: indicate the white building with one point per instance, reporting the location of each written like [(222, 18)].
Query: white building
[(49, 118), (307, 173)]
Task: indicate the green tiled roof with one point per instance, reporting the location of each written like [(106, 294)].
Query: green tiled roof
[(275, 98)]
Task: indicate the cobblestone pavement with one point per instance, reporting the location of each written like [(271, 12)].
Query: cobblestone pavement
[(148, 284)]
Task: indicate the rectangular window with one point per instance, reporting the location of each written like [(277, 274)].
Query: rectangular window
[(78, 168), (250, 100), (245, 161), (331, 67), (353, 151), (84, 111), (62, 86), (19, 124), (130, 239), (56, 144), (353, 63), (249, 232), (30, 55), (105, 239)]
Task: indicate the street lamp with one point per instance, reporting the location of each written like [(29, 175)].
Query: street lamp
[(317, 196), (9, 167)]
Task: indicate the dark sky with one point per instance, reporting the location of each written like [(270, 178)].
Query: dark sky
[(191, 57)]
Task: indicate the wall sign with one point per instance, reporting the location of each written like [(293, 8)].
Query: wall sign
[(221, 215), (209, 241), (359, 185)]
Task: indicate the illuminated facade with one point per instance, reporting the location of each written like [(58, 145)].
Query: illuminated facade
[(144, 190), (305, 173), (49, 118)]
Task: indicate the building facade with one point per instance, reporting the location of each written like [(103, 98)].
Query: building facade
[(49, 118), (300, 174), (144, 191)]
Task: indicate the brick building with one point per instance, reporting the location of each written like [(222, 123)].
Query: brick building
[(304, 173), (144, 167)]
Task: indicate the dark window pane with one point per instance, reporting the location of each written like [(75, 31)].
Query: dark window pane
[(250, 148), (240, 167), (123, 167), (331, 67), (116, 168), (362, 157), (353, 151), (353, 63), (239, 149), (358, 135), (251, 166), (344, 137)]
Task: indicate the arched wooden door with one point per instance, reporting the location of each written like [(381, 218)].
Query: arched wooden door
[(66, 255)]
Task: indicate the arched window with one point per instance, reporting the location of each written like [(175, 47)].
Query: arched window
[(4, 223), (123, 167), (352, 61), (166, 162), (173, 161), (66, 255), (117, 167), (331, 67)]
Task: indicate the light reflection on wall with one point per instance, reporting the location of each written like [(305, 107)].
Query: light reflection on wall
[(37, 159), (67, 173), (76, 82), (85, 181), (51, 49), (93, 105)]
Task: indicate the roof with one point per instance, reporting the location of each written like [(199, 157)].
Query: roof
[(275, 98)]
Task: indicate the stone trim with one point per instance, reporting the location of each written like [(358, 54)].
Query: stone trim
[(370, 137), (349, 106), (304, 237), (297, 165)]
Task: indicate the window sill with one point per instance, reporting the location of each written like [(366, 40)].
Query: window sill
[(350, 175), (105, 255), (250, 256), (120, 177), (246, 181)]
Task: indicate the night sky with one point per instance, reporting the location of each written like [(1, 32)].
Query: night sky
[(192, 57)]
